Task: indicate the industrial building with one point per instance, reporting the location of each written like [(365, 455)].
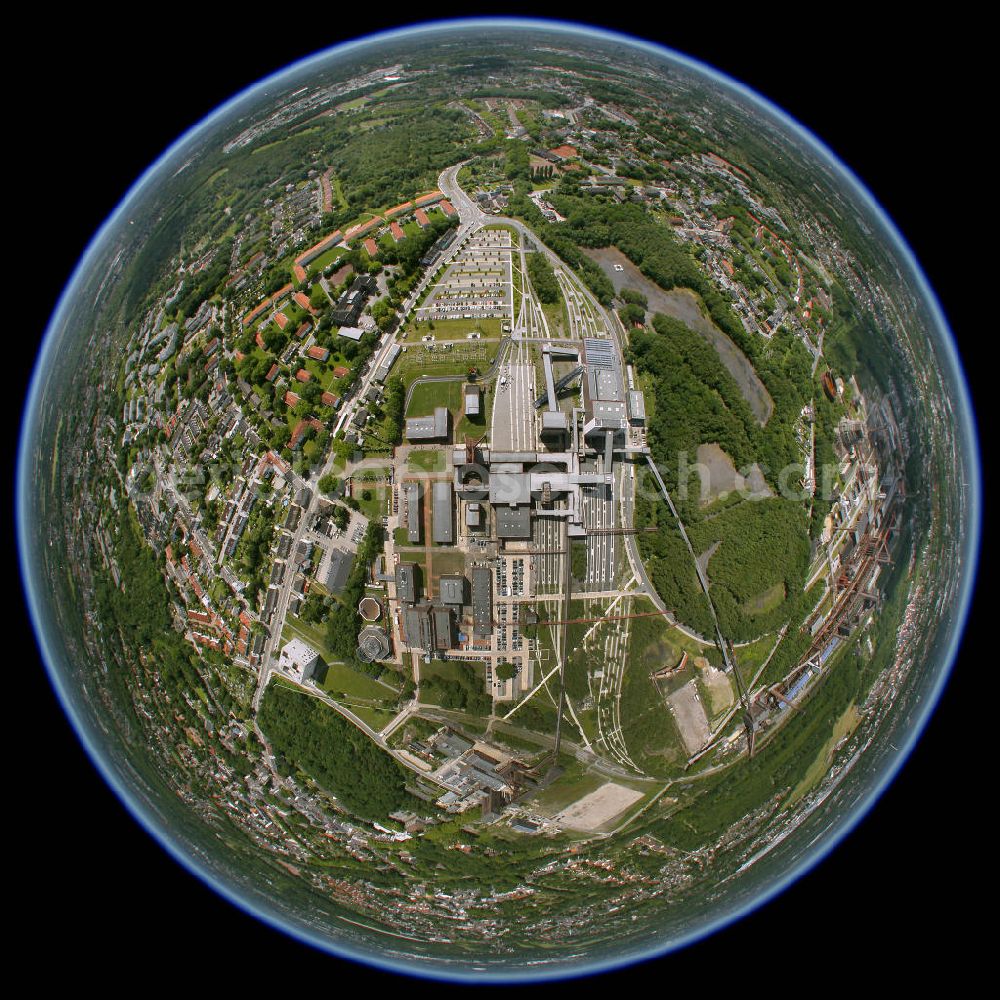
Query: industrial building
[(382, 372), (482, 602), (413, 519), (451, 590), (406, 582), (443, 514), (418, 627), (430, 428), (472, 400)]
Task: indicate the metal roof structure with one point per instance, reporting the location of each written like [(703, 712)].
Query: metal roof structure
[(451, 590), (443, 515), (472, 403), (428, 428), (509, 487), (513, 522), (413, 519), (339, 569), (406, 582), (482, 602)]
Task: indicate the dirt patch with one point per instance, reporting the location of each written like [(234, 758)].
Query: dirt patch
[(719, 477), (684, 305), (599, 807), (689, 714), (720, 691)]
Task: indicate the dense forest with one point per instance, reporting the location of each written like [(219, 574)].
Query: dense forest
[(543, 279), (311, 736)]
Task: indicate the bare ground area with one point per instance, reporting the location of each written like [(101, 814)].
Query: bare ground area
[(599, 807), (720, 690), (719, 476), (689, 714)]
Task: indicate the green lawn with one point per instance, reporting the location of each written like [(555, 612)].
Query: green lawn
[(377, 718), (431, 460), (455, 329), (353, 684), (429, 395)]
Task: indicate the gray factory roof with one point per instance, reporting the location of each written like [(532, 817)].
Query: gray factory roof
[(428, 428), (609, 415), (513, 522), (418, 628), (509, 487), (482, 602), (390, 359), (637, 405), (553, 420), (443, 631), (412, 490), (406, 582), (472, 400), (451, 589), (443, 514), (339, 570), (606, 385), (599, 353)]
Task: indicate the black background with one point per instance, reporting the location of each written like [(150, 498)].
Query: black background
[(895, 102)]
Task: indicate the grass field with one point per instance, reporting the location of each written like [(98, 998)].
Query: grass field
[(417, 361), (454, 329), (377, 718), (353, 684), (327, 257), (431, 460)]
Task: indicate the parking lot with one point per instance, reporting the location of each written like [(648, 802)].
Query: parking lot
[(477, 284)]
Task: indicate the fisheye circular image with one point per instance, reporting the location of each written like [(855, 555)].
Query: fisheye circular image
[(498, 512)]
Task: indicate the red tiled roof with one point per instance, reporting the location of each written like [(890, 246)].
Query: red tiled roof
[(303, 329), (258, 309), (398, 209), (397, 233), (340, 371), (317, 248), (564, 152), (300, 273), (421, 216), (329, 399), (318, 353), (447, 207), (303, 300), (429, 198), (300, 430), (281, 319), (291, 399), (271, 375), (372, 247), (303, 376)]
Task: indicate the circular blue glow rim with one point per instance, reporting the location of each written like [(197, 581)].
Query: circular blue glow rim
[(431, 968)]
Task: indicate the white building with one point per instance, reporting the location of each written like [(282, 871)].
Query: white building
[(298, 660)]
